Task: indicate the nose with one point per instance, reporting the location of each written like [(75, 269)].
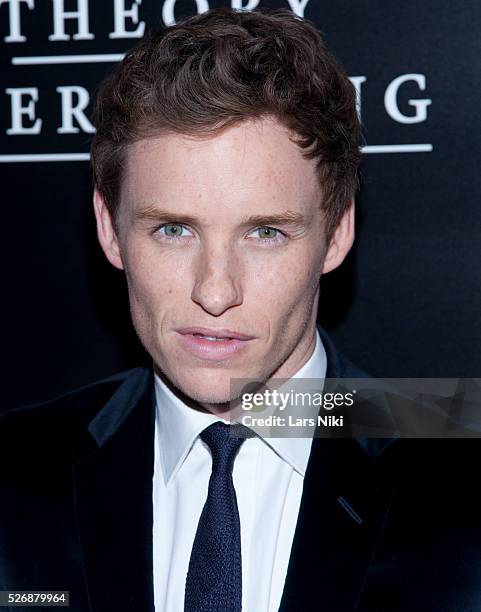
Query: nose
[(217, 280)]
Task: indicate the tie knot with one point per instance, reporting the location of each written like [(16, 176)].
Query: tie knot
[(223, 443)]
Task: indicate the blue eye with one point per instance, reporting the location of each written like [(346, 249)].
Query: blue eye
[(269, 234), (173, 230)]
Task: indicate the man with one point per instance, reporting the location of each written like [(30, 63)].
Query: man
[(225, 166)]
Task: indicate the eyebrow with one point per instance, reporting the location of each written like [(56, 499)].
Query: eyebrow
[(287, 217)]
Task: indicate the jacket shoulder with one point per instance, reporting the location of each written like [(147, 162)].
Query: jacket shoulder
[(57, 423)]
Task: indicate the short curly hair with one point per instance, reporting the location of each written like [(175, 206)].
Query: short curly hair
[(221, 67)]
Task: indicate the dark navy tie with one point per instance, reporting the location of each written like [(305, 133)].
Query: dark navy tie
[(214, 578)]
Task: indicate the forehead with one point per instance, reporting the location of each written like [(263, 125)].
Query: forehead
[(251, 164)]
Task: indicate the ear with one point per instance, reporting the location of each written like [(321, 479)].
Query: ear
[(106, 232), (341, 241)]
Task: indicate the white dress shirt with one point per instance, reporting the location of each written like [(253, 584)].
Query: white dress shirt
[(268, 477)]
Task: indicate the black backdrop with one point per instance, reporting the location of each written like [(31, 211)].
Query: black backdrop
[(407, 301)]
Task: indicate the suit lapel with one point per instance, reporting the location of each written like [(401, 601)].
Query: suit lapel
[(343, 508), (113, 496), (345, 501)]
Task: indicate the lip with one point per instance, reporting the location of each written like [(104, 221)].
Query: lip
[(213, 350), (219, 333)]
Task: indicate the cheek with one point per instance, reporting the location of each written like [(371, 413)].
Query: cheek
[(154, 281), (149, 269), (287, 285)]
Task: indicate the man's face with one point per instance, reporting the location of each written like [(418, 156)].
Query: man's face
[(224, 234)]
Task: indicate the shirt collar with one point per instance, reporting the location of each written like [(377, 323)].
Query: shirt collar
[(178, 425)]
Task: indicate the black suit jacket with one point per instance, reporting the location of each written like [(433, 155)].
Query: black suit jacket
[(383, 526)]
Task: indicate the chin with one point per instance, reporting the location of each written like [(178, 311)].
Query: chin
[(201, 391), (209, 384)]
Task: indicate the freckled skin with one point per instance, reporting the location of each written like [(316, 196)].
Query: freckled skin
[(218, 273)]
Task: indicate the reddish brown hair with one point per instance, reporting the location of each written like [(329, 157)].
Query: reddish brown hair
[(215, 69)]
